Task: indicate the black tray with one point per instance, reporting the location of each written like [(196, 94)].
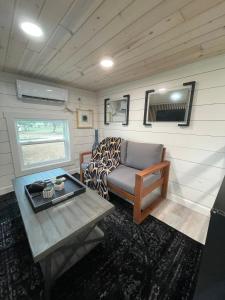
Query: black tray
[(72, 187)]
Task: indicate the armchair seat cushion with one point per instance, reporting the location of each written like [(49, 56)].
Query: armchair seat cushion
[(124, 177)]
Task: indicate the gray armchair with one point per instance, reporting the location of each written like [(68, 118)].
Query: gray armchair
[(142, 177)]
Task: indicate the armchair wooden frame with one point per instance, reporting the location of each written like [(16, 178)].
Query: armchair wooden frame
[(140, 191), (82, 155)]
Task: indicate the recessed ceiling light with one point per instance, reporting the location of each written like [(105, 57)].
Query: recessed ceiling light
[(31, 29), (176, 96), (107, 62)]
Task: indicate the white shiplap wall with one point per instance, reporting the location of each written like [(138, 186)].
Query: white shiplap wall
[(82, 138), (197, 153)]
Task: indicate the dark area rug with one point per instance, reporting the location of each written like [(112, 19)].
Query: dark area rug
[(149, 261)]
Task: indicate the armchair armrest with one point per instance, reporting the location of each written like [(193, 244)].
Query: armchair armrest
[(162, 181), (141, 190), (154, 168), (82, 154)]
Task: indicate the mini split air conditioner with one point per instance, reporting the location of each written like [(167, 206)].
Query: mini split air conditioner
[(30, 91)]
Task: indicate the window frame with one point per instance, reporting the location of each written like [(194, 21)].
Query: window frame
[(16, 147)]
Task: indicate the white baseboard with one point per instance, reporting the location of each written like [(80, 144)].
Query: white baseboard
[(187, 203), (6, 190)]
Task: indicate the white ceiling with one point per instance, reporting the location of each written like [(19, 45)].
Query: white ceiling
[(143, 37)]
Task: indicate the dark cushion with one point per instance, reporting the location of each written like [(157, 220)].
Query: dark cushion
[(142, 155), (124, 178), (123, 152)]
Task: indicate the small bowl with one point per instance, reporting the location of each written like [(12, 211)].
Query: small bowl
[(59, 187)]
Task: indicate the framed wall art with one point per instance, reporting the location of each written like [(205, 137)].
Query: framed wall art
[(172, 105), (84, 118), (117, 111)]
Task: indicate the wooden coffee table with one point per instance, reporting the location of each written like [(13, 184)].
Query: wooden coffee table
[(61, 235)]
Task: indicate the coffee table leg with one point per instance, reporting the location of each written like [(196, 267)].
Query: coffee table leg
[(48, 277)]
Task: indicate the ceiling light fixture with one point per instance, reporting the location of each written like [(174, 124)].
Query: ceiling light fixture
[(162, 90), (31, 29), (107, 62)]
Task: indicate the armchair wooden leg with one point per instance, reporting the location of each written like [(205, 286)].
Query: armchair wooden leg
[(137, 215), (81, 175), (165, 181), (137, 202)]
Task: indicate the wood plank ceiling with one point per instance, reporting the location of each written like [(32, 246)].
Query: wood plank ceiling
[(142, 36)]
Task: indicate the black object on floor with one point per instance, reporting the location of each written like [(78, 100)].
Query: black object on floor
[(211, 279), (148, 261)]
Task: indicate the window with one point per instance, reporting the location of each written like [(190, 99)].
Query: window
[(38, 143), (42, 142)]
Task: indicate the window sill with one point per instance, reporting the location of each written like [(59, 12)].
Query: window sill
[(44, 168)]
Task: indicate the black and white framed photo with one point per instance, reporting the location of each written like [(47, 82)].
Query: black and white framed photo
[(117, 110), (84, 118)]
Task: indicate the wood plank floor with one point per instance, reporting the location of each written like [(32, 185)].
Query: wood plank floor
[(185, 220)]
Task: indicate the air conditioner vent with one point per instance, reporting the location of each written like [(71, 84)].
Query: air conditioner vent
[(30, 91)]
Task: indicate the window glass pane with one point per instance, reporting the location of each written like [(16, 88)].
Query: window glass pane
[(43, 153), (39, 130)]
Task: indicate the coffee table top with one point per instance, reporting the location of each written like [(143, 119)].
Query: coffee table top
[(50, 229)]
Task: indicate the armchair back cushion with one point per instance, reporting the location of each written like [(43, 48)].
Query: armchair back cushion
[(123, 152), (142, 155)]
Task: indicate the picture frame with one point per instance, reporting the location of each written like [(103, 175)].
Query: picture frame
[(117, 111), (85, 118), (172, 111)]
